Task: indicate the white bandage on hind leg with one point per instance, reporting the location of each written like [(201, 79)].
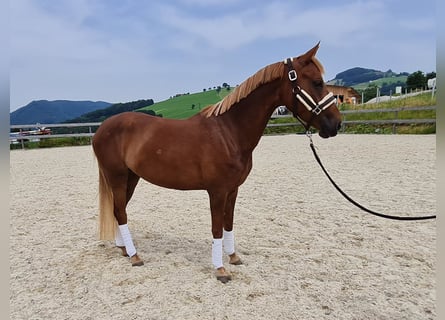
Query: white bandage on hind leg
[(229, 242), (118, 238), (217, 253), (126, 237)]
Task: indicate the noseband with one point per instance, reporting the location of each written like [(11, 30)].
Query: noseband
[(304, 97)]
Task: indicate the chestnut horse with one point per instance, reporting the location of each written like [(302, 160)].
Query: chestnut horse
[(211, 150)]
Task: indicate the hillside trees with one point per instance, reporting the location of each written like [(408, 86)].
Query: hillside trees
[(390, 88), (416, 80), (101, 114), (430, 75), (370, 92), (359, 75)]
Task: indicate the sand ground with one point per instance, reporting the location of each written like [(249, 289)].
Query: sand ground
[(308, 253)]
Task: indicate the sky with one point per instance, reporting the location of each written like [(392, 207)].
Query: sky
[(126, 50)]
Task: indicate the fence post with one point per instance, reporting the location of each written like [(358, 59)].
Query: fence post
[(396, 116), (23, 140)]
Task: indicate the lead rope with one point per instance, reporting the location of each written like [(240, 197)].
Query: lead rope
[(382, 215)]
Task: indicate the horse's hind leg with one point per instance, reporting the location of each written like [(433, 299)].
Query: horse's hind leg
[(123, 187), (132, 181)]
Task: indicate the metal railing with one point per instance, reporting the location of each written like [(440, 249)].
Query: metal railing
[(21, 138)]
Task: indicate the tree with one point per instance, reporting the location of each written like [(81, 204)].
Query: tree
[(416, 80), (430, 75), (370, 92), (390, 88), (150, 112)]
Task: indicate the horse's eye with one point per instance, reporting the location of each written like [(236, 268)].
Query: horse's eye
[(318, 83)]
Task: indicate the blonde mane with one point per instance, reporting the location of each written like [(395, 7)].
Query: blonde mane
[(265, 75)]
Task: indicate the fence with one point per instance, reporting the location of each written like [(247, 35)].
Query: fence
[(396, 121), (19, 138)]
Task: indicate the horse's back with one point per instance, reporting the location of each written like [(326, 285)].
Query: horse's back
[(122, 122), (120, 131), (126, 128)]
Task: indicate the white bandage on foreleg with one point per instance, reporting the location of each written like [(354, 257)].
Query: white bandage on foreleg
[(126, 237), (118, 238), (217, 249), (228, 242)]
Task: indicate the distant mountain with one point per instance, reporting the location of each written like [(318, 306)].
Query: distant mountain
[(101, 114), (357, 75), (44, 111)]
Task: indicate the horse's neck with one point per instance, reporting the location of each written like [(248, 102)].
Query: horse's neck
[(249, 118)]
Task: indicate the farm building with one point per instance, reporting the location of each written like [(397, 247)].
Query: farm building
[(345, 94)]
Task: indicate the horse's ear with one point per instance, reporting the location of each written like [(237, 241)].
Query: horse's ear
[(307, 57)]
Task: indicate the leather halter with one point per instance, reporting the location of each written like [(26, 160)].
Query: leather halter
[(302, 96)]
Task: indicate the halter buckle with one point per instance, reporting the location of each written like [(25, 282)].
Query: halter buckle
[(292, 75), (317, 110)]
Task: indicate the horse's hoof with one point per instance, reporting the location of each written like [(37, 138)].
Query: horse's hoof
[(136, 261), (124, 251), (222, 275), (234, 259)]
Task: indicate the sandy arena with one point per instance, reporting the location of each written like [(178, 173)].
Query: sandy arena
[(307, 252)]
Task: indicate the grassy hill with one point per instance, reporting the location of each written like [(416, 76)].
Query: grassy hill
[(381, 81), (362, 78), (357, 75), (186, 105)]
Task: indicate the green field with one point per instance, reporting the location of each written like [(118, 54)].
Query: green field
[(414, 101), (380, 82), (186, 105)]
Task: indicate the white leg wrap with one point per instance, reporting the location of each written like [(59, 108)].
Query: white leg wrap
[(126, 237), (229, 242), (217, 249), (118, 238)]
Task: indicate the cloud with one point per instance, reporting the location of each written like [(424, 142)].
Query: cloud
[(210, 3), (274, 20), (417, 24), (125, 50), (75, 50)]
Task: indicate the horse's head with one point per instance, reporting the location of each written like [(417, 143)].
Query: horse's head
[(307, 97)]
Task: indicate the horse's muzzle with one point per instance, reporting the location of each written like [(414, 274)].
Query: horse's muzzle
[(329, 128)]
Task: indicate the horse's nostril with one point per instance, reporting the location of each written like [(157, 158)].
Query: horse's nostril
[(339, 126)]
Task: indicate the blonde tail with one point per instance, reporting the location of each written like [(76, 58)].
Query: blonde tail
[(107, 221)]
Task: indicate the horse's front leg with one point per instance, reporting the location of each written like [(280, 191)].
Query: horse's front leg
[(228, 236), (217, 205)]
